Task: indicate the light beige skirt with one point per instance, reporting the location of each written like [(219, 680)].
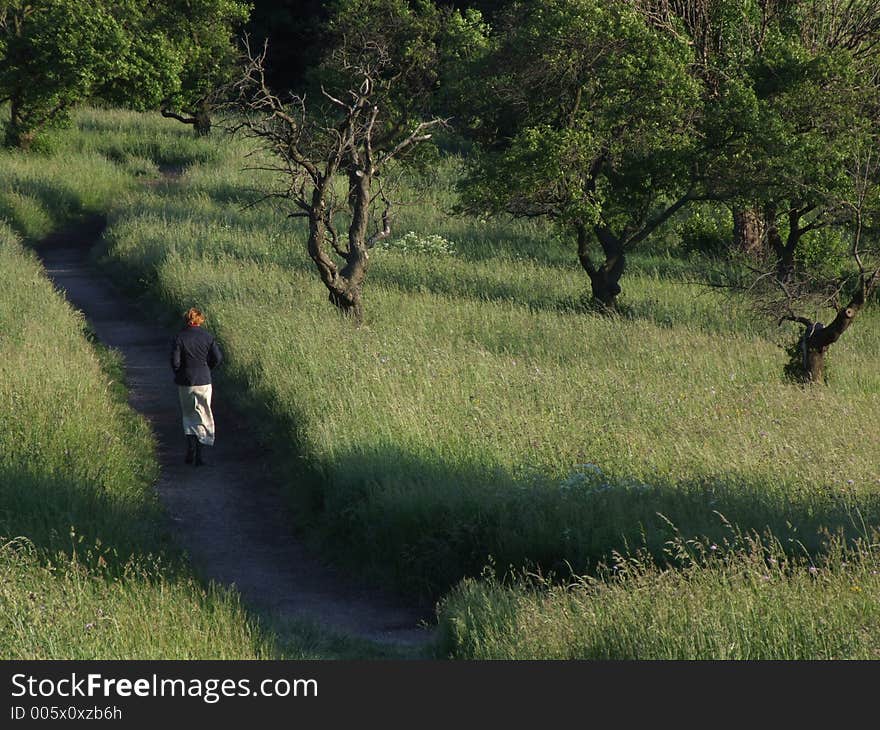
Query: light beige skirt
[(195, 407)]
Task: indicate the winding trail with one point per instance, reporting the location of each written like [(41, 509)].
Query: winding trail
[(228, 516)]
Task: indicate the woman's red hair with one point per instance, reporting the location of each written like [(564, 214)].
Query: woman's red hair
[(194, 317)]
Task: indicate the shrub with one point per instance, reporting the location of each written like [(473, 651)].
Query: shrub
[(412, 242)]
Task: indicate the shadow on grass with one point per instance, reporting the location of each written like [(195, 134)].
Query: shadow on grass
[(167, 146), (59, 513), (61, 204), (422, 524), (432, 525)]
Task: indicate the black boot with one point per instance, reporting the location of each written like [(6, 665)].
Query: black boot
[(191, 442), (199, 460)]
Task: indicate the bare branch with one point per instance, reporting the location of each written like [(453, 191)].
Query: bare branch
[(385, 232), (312, 148), (334, 235), (341, 104), (800, 320), (414, 137)]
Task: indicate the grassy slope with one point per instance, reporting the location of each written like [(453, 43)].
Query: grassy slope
[(481, 412), (748, 600), (85, 571), (86, 568)]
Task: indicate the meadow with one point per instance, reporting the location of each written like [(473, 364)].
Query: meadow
[(484, 426), (87, 568)]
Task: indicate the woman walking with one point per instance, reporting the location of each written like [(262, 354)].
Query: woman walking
[(194, 353)]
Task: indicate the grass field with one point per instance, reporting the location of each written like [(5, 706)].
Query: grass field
[(746, 599), (484, 416), (86, 567)]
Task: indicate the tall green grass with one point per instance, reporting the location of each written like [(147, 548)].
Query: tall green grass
[(746, 601), (86, 570), (63, 608), (483, 413)]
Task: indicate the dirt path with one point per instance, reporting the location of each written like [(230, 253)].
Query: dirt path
[(227, 516)]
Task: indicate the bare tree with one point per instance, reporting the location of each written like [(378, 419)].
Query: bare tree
[(345, 140)]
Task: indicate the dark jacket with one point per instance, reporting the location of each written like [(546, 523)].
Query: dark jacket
[(194, 353)]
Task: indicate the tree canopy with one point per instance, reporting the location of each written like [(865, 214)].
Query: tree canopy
[(57, 53), (54, 54), (792, 91), (607, 117), (586, 114)]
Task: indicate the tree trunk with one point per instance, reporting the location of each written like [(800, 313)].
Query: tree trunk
[(202, 124), (785, 263), (807, 364), (347, 294), (604, 285), (345, 286), (817, 338), (202, 120), (784, 251), (749, 229), (814, 367), (16, 133), (357, 259), (604, 279), (17, 137), (771, 231)]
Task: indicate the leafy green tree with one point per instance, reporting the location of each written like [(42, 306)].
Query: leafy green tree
[(55, 53), (178, 56), (143, 55), (781, 105), (791, 100), (586, 114), (201, 32), (148, 63)]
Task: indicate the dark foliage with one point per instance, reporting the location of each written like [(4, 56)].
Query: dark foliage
[(294, 31)]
